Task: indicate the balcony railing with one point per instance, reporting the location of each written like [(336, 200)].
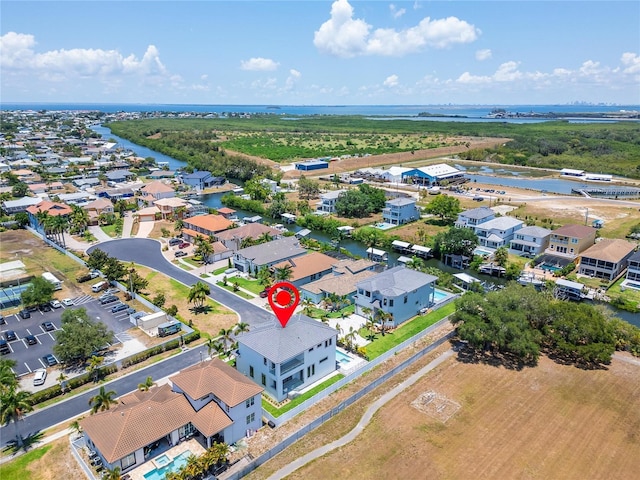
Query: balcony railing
[(291, 364)]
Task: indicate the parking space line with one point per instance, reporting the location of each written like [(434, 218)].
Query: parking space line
[(42, 363), (28, 368)]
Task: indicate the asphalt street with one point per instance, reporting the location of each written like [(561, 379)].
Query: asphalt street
[(145, 252)]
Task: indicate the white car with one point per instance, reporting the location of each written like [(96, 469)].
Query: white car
[(55, 304), (67, 302), (39, 377)]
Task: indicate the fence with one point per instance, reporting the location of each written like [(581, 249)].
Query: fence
[(337, 409), (53, 244)]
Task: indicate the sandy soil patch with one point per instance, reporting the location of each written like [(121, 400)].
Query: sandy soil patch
[(552, 421)]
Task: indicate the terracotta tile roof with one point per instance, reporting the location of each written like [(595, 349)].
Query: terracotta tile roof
[(609, 250), (352, 266), (216, 377), (306, 265), (156, 187), (250, 230), (211, 419), (210, 223), (574, 231), (140, 419), (226, 211), (344, 284), (171, 202), (53, 208), (99, 204)]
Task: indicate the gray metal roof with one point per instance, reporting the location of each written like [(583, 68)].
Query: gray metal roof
[(500, 223), (273, 251), (397, 281), (280, 344), (533, 231), (478, 213), (400, 202)]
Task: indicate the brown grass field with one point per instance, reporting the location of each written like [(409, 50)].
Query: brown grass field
[(552, 421)]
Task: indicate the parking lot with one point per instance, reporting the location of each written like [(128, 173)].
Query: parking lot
[(30, 357)]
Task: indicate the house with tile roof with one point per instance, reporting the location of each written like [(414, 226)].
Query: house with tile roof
[(283, 359), (234, 237), (158, 190), (607, 259), (251, 259), (399, 291), (209, 398), (53, 209), (204, 226), (571, 240), (342, 280), (307, 268), (172, 206)]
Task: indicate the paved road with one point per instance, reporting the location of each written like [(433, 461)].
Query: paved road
[(148, 252)]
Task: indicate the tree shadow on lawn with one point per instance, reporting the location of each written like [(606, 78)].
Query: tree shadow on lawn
[(28, 442), (467, 354), (201, 310)]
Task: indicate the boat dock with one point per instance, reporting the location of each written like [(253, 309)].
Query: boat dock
[(607, 192)]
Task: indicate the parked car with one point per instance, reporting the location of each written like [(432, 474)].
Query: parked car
[(31, 340), (48, 326), (174, 241), (478, 199), (10, 336), (184, 245), (39, 377), (24, 314), (45, 307), (4, 347), (67, 302), (84, 278), (108, 299), (180, 253), (3, 321), (55, 304), (50, 360), (118, 308), (94, 274), (265, 293)]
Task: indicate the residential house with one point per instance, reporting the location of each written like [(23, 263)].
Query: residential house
[(158, 190), (210, 398), (119, 176), (342, 280), (203, 225), (235, 237), (173, 207), (328, 201), (20, 205), (228, 213), (530, 241), (148, 214), (632, 279), (607, 259), (307, 268), (202, 179), (571, 240), (400, 211), (399, 292), (474, 217), (161, 174), (251, 259), (98, 207), (497, 232), (283, 359), (26, 175), (53, 209)]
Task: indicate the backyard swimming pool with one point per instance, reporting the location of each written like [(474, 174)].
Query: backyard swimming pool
[(342, 357), (164, 466), (439, 295)]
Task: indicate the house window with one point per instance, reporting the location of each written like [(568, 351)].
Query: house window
[(264, 360), (406, 298), (384, 302), (367, 294), (391, 302), (251, 371), (249, 402), (311, 349), (324, 359), (251, 418), (127, 461), (263, 379)]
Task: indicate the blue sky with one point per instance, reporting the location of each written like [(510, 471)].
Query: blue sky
[(320, 52)]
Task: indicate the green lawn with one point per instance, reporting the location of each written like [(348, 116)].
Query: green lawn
[(240, 293), (251, 285), (220, 271), (407, 330), (319, 312), (192, 261), (17, 469), (276, 412), (110, 230)]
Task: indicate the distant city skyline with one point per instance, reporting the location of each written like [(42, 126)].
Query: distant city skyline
[(321, 52)]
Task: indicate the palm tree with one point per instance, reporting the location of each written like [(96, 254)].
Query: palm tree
[(226, 338), (111, 474), (241, 327), (75, 426), (383, 317), (198, 294), (283, 274), (8, 379), (102, 400), (307, 305), (13, 405), (79, 220), (146, 385), (42, 219), (59, 224), (61, 378), (265, 276), (247, 242), (193, 467), (204, 249), (94, 366), (264, 238), (416, 264)]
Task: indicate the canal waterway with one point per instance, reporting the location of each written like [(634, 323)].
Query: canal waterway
[(359, 249)]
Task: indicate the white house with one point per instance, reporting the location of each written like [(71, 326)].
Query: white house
[(498, 232), (328, 201), (530, 241), (283, 359), (475, 216)]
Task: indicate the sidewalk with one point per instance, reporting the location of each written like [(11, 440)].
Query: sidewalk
[(127, 225)]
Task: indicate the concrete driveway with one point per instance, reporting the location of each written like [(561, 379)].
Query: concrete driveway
[(144, 229), (97, 232), (148, 252)]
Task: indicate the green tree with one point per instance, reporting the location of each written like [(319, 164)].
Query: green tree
[(19, 190), (146, 385), (95, 362), (501, 256), (445, 207), (198, 294), (38, 292), (8, 378), (265, 276), (308, 188), (103, 400), (79, 336), (114, 270), (14, 404), (135, 282), (284, 273), (159, 300), (256, 189), (97, 259), (455, 241)]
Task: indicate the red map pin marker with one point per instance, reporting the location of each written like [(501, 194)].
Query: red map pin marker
[(283, 298)]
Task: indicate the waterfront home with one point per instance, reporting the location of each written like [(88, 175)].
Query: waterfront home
[(433, 175), (530, 241), (474, 217), (20, 205), (307, 268), (571, 240), (399, 211), (251, 259), (53, 209), (632, 279), (607, 259), (209, 398), (97, 207), (119, 176), (328, 200), (235, 237), (203, 225), (200, 180), (148, 214), (157, 190), (172, 207), (342, 280), (283, 359), (497, 232), (400, 293)]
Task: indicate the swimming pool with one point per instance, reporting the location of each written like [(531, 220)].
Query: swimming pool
[(550, 268), (342, 357), (384, 226), (439, 295), (173, 466), (482, 252)]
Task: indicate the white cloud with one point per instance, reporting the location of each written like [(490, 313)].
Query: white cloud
[(346, 37), (259, 64), (294, 76), (631, 62), (396, 12), (469, 79), (507, 72), (391, 81), (484, 54)]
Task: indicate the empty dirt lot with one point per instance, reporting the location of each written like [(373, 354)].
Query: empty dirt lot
[(552, 421)]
